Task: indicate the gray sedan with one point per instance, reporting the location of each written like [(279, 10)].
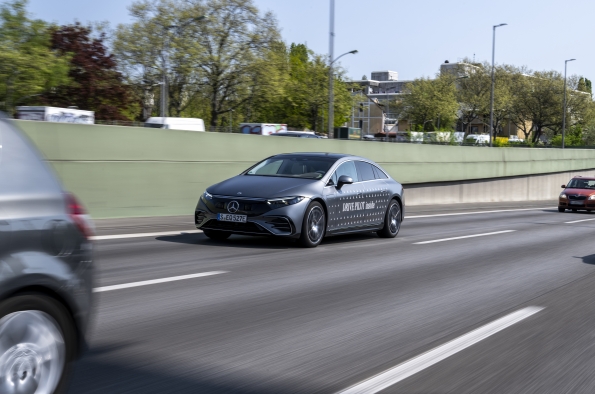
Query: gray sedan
[(306, 196)]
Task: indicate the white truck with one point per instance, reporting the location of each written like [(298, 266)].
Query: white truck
[(54, 114), (262, 128), (191, 124)]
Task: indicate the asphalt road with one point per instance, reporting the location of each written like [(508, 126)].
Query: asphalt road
[(506, 312)]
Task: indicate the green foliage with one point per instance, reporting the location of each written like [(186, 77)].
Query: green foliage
[(28, 66), (429, 103), (573, 137)]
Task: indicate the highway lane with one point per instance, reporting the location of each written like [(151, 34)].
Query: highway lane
[(282, 319)]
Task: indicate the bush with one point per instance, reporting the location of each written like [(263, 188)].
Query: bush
[(500, 142)]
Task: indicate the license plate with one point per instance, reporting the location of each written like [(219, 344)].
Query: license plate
[(576, 203), (226, 217)]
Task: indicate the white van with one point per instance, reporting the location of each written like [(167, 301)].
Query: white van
[(192, 124)]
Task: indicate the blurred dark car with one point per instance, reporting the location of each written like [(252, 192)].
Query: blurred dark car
[(296, 135), (45, 271)]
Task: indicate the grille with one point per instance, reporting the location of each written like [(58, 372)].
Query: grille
[(571, 197), (246, 207), (235, 227), (281, 224)]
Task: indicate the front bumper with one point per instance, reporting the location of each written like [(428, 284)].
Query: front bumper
[(576, 204), (281, 222)]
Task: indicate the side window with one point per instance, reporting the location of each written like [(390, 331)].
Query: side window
[(379, 173), (365, 171), (347, 168)]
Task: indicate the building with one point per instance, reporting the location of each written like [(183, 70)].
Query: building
[(384, 88)]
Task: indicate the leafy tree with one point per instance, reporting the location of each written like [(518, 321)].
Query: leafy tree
[(28, 66), (97, 85), (427, 100), (503, 97), (582, 86), (472, 94)]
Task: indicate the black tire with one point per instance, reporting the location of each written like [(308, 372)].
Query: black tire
[(313, 226), (217, 235), (561, 209), (59, 318), (392, 220), (574, 210)]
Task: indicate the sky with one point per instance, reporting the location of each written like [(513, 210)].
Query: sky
[(412, 37)]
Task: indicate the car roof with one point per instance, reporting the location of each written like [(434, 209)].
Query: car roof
[(325, 154)]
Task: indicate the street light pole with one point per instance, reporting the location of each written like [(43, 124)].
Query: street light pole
[(164, 76), (331, 98), (493, 81), (564, 114), (331, 94), (231, 120)]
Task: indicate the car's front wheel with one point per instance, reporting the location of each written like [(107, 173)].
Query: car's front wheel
[(37, 345), (217, 235), (313, 226), (392, 221), (561, 209)]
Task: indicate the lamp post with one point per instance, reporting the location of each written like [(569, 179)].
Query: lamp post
[(493, 81), (165, 58), (331, 108), (564, 114), (331, 94), (231, 120)]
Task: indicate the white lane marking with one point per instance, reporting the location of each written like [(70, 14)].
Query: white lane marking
[(463, 237), (155, 281), (411, 367), (139, 235), (474, 213), (578, 221)]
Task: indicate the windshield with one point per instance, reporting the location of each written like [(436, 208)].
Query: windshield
[(309, 167), (581, 184)]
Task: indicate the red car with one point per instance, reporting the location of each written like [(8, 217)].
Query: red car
[(578, 194)]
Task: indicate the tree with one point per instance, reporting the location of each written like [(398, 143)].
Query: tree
[(427, 100), (503, 97), (97, 85), (28, 66), (473, 94), (539, 99)]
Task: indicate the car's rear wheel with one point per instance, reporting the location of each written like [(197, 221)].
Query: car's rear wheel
[(561, 209), (574, 210), (217, 235), (392, 221), (37, 345), (313, 226)]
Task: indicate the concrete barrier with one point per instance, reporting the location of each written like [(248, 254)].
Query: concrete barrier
[(130, 171), (520, 188)]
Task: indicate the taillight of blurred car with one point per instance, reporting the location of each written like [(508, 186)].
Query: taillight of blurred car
[(79, 215)]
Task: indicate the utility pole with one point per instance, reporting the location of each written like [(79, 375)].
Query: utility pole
[(331, 98), (564, 114), (493, 80)]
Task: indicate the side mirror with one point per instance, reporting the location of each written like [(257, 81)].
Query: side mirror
[(344, 180), (563, 186)]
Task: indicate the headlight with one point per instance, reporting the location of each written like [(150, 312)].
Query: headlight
[(207, 195), (283, 202), (592, 197), (562, 195)]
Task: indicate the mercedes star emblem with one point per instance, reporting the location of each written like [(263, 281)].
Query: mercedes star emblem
[(233, 207), (239, 193)]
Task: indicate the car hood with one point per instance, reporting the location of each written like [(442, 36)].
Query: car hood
[(579, 192), (262, 186)]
